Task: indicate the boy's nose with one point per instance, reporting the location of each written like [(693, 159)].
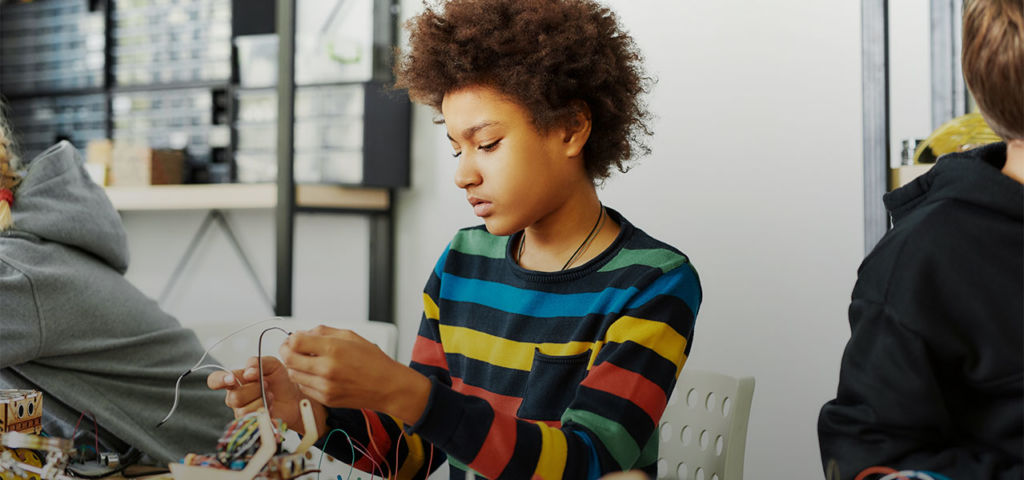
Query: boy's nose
[(466, 174)]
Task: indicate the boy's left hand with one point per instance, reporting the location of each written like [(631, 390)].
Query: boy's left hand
[(338, 368)]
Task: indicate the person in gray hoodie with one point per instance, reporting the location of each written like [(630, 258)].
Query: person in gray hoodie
[(72, 326)]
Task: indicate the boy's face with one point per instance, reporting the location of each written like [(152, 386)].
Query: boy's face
[(513, 174)]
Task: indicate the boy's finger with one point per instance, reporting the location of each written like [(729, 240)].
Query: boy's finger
[(305, 343), (220, 381)]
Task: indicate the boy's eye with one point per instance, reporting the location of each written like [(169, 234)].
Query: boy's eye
[(490, 146), (457, 154)]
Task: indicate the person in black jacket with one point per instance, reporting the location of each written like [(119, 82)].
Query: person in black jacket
[(931, 379)]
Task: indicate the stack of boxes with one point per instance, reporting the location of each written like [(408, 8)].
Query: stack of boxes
[(193, 120), (51, 46), (328, 135), (39, 122), (171, 41)]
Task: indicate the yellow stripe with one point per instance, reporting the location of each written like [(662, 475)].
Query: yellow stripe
[(500, 351), (657, 336), (414, 460), (553, 452), (430, 308)]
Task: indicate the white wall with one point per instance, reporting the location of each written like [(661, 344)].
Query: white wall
[(331, 266), (910, 103), (756, 174)]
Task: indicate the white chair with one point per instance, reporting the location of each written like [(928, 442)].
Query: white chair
[(233, 352), (704, 428)]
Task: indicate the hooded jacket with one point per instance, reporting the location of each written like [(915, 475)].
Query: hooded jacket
[(931, 378), (74, 328)]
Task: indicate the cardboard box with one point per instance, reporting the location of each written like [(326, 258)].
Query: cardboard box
[(905, 174), (136, 165)]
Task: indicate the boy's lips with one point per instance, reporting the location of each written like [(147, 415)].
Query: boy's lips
[(481, 207)]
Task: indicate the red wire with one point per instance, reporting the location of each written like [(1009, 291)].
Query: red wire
[(369, 433), (878, 470), (398, 446), (95, 431), (429, 462)]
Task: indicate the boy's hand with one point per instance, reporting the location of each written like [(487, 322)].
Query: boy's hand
[(283, 396), (341, 369)]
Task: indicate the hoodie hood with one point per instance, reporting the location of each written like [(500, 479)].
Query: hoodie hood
[(974, 177), (58, 202)]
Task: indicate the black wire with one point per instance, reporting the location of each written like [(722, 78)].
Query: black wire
[(259, 361)]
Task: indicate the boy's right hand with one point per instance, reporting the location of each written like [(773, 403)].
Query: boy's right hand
[(283, 396)]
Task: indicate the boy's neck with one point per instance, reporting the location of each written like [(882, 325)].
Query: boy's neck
[(553, 240), (1014, 167)]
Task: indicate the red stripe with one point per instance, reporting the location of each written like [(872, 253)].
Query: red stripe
[(500, 403), (429, 352), (378, 437), (610, 378), (498, 447), (366, 465)]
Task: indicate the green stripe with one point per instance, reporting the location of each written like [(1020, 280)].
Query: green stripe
[(652, 257), (650, 453), (624, 450), (459, 465), (479, 242)]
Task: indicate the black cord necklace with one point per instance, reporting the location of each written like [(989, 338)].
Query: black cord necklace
[(580, 250)]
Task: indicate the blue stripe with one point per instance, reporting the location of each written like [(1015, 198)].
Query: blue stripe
[(439, 266), (593, 467), (680, 283)]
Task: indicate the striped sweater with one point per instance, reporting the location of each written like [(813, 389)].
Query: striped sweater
[(539, 374)]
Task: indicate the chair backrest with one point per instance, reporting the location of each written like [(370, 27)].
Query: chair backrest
[(233, 352), (704, 428)]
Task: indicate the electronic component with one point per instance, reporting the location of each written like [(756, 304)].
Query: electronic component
[(264, 464), (20, 457), (21, 411)]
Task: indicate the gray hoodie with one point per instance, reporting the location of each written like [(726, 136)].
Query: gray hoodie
[(74, 328)]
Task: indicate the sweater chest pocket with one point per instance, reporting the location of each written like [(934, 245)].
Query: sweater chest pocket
[(552, 385)]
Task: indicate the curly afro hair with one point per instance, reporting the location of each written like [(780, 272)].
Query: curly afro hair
[(547, 55)]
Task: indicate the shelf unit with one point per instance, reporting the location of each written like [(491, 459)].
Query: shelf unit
[(239, 196), (385, 148)]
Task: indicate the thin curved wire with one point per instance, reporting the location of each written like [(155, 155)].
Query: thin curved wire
[(177, 384), (259, 362), (323, 453)]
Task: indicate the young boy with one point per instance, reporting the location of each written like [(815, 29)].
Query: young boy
[(553, 334), (932, 377)]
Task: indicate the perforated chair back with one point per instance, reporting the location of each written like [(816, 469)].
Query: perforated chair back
[(704, 428)]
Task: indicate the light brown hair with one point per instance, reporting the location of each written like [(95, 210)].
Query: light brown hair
[(993, 62)]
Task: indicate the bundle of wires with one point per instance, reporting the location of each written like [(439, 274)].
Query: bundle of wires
[(241, 439), (886, 473)]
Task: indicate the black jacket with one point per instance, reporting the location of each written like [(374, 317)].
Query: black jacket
[(932, 376)]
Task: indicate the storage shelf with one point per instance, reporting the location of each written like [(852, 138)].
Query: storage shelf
[(244, 196)]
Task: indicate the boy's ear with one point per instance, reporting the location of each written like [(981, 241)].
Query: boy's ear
[(577, 129)]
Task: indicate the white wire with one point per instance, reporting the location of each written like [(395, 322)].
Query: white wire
[(177, 384), (236, 332)]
